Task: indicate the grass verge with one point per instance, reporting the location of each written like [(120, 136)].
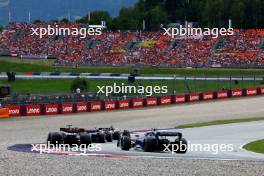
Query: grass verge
[(220, 122), (256, 146)]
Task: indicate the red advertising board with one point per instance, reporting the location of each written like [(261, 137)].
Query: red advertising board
[(164, 100), (237, 93), (251, 91), (222, 94), (67, 108), (262, 90), (151, 101), (51, 109), (208, 96), (193, 97), (94, 106), (136, 103), (109, 105), (179, 99), (32, 110), (81, 107), (14, 110), (123, 104)]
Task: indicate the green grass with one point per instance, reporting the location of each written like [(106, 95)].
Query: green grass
[(45, 86), (220, 122), (256, 146), (12, 64)]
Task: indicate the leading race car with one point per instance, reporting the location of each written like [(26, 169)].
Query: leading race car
[(80, 136), (153, 141)]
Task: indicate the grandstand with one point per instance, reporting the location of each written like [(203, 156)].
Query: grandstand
[(244, 49)]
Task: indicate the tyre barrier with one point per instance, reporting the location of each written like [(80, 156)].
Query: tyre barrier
[(109, 105)]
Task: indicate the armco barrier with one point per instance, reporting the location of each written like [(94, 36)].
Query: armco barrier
[(164, 100), (221, 94), (108, 105), (80, 107), (50, 109), (32, 110), (136, 103), (14, 110), (151, 101), (66, 108), (122, 104), (94, 106), (250, 92)]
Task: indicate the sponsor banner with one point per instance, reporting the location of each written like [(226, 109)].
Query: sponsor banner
[(152, 101), (136, 103), (51, 109), (251, 91), (67, 108), (262, 90), (179, 99), (94, 106), (32, 110), (109, 105), (164, 100), (81, 107), (207, 96), (237, 93), (222, 94), (193, 97), (123, 104), (14, 110)]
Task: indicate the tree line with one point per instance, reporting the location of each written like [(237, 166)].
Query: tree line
[(206, 13)]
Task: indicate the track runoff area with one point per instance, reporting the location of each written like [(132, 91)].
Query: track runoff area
[(224, 142)]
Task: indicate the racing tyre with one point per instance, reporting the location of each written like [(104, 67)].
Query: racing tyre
[(54, 138), (116, 135), (182, 145), (109, 137), (85, 139), (125, 143), (101, 138), (150, 144), (126, 133)]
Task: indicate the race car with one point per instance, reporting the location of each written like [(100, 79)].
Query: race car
[(70, 135), (153, 141)]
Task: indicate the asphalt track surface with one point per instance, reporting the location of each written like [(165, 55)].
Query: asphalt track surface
[(238, 162)]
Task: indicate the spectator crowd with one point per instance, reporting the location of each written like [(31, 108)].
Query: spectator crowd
[(244, 49)]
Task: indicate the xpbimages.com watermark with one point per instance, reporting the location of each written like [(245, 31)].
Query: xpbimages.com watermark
[(190, 31), (54, 148), (129, 89), (192, 147), (91, 30)]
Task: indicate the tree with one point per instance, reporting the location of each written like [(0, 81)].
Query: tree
[(1, 28)]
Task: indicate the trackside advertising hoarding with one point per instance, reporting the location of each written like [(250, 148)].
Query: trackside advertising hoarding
[(250, 92), (94, 106), (32, 110), (222, 94), (207, 96), (152, 101), (164, 100), (67, 108), (192, 97), (262, 90), (122, 104), (237, 93), (136, 103), (81, 107), (51, 109), (109, 105), (14, 110)]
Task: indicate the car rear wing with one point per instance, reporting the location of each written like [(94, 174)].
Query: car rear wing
[(169, 133)]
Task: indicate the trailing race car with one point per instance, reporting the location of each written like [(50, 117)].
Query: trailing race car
[(80, 136), (153, 141)]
